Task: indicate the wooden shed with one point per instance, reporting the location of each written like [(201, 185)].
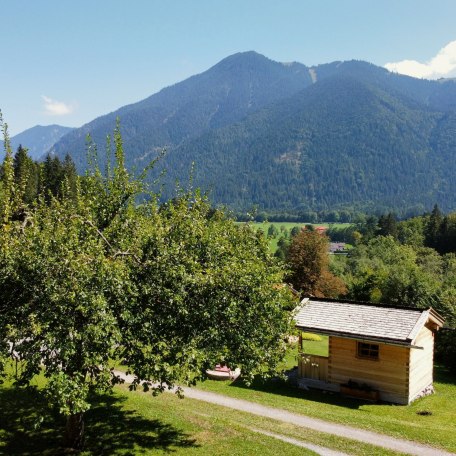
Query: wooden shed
[(381, 350)]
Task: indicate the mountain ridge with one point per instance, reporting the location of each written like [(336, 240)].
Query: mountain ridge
[(38, 139), (259, 131)]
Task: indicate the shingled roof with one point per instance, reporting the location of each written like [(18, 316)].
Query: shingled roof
[(397, 325)]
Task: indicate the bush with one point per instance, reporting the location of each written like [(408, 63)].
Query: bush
[(310, 336)]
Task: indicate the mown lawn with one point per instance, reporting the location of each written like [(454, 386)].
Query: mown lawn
[(436, 428), (136, 423), (314, 347)]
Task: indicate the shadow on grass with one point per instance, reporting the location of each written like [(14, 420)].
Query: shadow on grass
[(109, 428), (283, 388)]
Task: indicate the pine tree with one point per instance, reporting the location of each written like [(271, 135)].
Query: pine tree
[(433, 227), (387, 225), (70, 175), (26, 174)]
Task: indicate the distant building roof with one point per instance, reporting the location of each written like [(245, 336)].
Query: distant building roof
[(336, 246), (397, 325)]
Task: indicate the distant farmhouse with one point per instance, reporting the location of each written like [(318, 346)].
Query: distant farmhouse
[(374, 351)]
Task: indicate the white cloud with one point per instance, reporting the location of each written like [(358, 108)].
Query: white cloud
[(440, 66), (56, 108)]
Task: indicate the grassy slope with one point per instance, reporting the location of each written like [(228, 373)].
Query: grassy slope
[(315, 347), (437, 429), (133, 423)]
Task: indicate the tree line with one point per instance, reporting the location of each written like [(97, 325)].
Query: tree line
[(46, 179), (434, 229), (409, 263)]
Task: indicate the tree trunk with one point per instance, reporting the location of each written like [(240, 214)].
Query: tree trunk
[(74, 432)]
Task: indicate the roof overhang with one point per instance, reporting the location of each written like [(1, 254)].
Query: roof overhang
[(360, 337), (436, 319), (429, 318)]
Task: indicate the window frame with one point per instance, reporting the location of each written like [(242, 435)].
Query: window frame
[(371, 351)]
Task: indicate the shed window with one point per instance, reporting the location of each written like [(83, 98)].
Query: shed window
[(367, 351)]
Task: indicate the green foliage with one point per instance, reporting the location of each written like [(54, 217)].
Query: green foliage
[(24, 181), (308, 260), (283, 245), (89, 276), (10, 192), (433, 227), (294, 231), (385, 271), (272, 231), (411, 232), (446, 238), (387, 225), (26, 175), (209, 289), (347, 234), (58, 178), (310, 336), (413, 269), (445, 344)]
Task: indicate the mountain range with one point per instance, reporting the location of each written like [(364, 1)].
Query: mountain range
[(287, 137)]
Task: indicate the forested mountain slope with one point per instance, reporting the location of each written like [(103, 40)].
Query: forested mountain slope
[(226, 93), (339, 143), (288, 137)]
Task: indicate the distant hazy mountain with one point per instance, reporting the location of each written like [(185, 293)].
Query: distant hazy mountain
[(288, 137), (38, 140)]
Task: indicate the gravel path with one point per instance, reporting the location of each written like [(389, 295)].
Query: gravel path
[(310, 446), (373, 438)]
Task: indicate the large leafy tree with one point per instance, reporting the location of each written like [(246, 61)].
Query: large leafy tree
[(170, 289), (308, 260)]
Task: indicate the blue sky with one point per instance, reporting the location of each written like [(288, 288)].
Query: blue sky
[(67, 62)]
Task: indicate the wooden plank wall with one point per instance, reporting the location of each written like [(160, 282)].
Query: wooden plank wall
[(421, 363), (313, 366), (388, 374)]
